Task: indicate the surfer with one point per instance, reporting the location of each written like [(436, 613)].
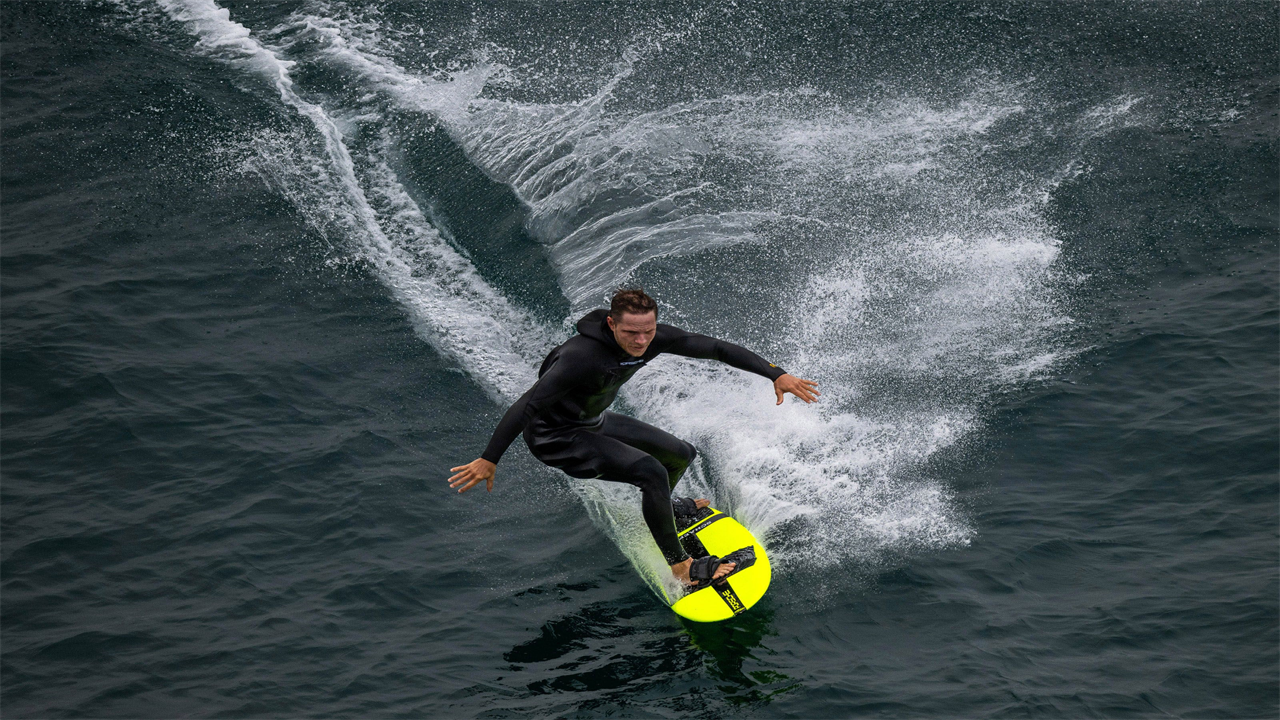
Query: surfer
[(566, 423)]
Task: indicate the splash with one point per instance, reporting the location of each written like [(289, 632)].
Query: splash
[(896, 251)]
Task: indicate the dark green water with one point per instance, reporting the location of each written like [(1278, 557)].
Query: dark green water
[(267, 270)]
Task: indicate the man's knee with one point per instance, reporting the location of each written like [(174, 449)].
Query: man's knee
[(649, 475), (690, 452), (679, 461)]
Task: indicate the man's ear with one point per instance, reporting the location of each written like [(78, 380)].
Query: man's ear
[(609, 321)]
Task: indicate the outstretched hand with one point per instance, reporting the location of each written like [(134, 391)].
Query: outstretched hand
[(806, 390), (472, 473)]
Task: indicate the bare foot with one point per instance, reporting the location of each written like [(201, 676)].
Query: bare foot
[(681, 571)]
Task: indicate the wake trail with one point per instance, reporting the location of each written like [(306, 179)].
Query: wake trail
[(452, 308)]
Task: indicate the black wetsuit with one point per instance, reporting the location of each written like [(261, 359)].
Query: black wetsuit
[(566, 424)]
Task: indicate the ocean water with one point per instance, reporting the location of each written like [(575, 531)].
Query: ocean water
[(269, 269)]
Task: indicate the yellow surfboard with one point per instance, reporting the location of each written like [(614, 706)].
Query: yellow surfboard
[(722, 535)]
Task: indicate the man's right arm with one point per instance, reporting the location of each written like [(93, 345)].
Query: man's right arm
[(511, 425), (554, 383)]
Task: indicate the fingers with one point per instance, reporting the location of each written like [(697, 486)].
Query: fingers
[(801, 392), (470, 484), (806, 390), (467, 475)]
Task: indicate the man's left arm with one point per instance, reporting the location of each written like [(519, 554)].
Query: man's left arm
[(681, 342)]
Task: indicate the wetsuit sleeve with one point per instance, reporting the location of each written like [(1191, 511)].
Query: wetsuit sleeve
[(708, 348), (552, 386), (511, 425)]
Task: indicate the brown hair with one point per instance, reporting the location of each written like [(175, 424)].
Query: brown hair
[(632, 300)]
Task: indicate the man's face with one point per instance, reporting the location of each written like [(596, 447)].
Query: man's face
[(634, 332)]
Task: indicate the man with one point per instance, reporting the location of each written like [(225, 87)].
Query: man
[(566, 423)]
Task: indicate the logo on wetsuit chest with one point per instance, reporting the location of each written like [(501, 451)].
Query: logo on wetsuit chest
[(637, 361)]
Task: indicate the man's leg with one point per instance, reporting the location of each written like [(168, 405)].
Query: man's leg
[(585, 454), (674, 454)]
